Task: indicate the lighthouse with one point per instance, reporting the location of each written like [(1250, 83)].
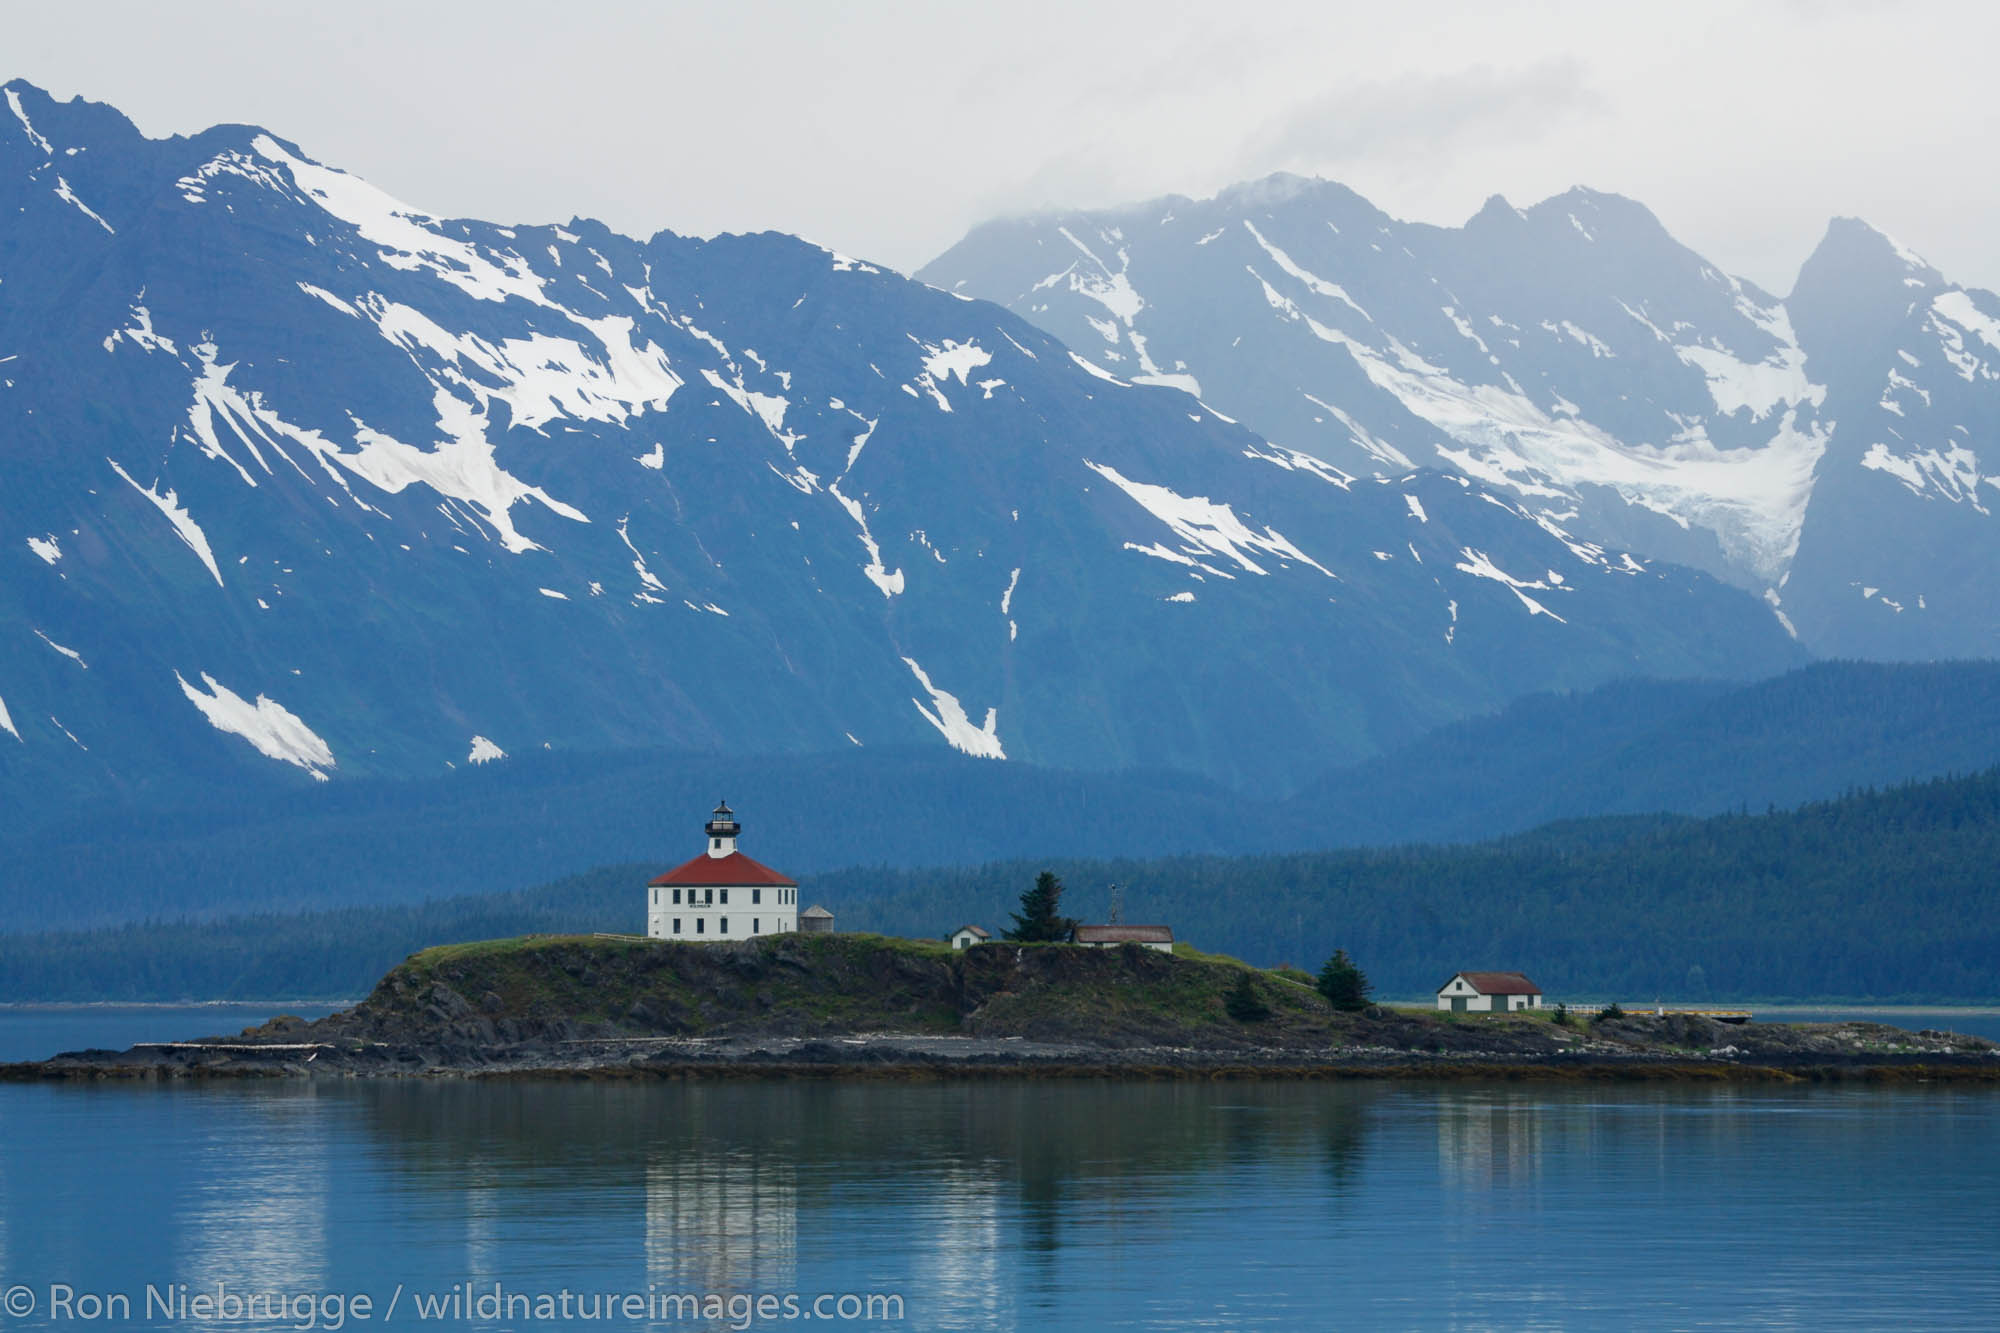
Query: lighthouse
[(721, 895)]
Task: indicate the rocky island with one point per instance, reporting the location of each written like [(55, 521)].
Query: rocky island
[(804, 1004)]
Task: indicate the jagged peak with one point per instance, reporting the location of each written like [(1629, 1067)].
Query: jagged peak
[(1284, 187), (1856, 238), (1855, 256), (1582, 207), (1277, 188), (39, 111), (1496, 209)]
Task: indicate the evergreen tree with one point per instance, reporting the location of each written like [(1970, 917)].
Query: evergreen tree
[(1039, 919), (1243, 1003), (1344, 985)]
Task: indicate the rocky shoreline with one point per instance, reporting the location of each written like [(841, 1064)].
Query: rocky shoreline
[(1806, 1053), (868, 1007)]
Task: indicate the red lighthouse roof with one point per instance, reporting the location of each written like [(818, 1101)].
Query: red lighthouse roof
[(722, 872)]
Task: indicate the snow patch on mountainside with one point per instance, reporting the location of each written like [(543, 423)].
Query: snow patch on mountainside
[(322, 294), (1151, 374), (274, 730), (71, 653), (484, 751), (1113, 291), (183, 522), (6, 718), (1754, 499), (194, 187), (1958, 307), (404, 236), (952, 723), (1779, 380), (47, 548), (1293, 460), (878, 574), (953, 359), (1205, 526), (649, 583), (1381, 451), (1098, 372), (141, 334), (1952, 473), (1480, 565), (1311, 280), (542, 377), (462, 467), (28, 127), (68, 196)]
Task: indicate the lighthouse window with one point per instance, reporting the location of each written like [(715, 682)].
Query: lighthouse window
[(724, 927), (677, 897), (677, 925), (717, 844), (756, 925), (707, 896), (700, 925), (756, 896), (725, 897)]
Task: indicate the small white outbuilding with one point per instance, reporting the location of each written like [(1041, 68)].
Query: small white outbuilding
[(1488, 993), (967, 936)]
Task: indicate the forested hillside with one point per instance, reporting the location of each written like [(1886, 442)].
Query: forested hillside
[(1879, 895), (1633, 747), (531, 820), (1689, 747)]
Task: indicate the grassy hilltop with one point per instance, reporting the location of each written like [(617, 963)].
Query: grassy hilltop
[(560, 987)]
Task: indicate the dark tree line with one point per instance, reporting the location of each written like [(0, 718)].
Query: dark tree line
[(1881, 894)]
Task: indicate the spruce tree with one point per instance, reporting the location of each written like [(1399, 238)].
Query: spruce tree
[(1243, 1003), (1039, 920), (1344, 985)]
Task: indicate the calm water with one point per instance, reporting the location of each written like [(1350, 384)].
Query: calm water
[(1066, 1205), (1062, 1205), (35, 1032)]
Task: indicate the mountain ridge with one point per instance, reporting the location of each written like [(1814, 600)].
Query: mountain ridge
[(305, 481), (1578, 358)]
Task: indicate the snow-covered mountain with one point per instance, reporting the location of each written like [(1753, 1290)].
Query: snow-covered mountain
[(1822, 451), (301, 482)]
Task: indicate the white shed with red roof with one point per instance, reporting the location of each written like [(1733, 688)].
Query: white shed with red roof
[(721, 894), (1489, 993)]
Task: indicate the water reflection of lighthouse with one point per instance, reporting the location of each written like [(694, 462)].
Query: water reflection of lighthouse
[(721, 1222), (263, 1211)]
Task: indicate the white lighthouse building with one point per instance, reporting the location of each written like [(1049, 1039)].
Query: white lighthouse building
[(722, 894)]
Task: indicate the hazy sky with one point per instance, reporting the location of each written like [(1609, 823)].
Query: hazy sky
[(886, 129)]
